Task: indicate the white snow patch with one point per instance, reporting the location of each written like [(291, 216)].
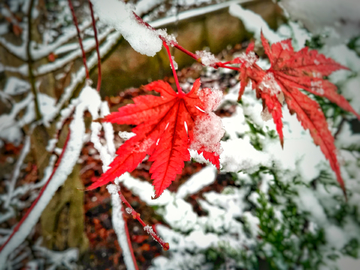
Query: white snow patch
[(145, 6), (210, 97), (254, 23), (125, 135), (340, 18), (207, 58), (269, 84), (196, 182), (248, 59), (16, 86), (169, 39), (208, 132), (240, 155), (176, 66), (65, 167), (120, 16)]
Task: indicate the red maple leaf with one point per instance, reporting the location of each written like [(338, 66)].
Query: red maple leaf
[(290, 71), (264, 84), (167, 126)]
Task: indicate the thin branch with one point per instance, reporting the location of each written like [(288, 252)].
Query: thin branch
[(79, 76), (97, 46), (30, 61), (80, 40), (61, 62), (39, 196), (343, 120), (16, 172), (121, 229), (147, 228), (128, 238)]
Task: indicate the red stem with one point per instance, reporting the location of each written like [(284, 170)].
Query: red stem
[(80, 40), (97, 46), (177, 46), (129, 241), (40, 194), (136, 215), (180, 48), (197, 58), (173, 69), (222, 65)]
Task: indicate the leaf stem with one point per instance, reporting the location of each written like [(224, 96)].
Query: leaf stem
[(173, 69)]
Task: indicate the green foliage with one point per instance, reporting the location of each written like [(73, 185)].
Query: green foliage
[(315, 42)]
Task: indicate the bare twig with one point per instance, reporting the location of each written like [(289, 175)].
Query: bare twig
[(97, 46), (18, 225), (343, 120), (147, 228), (30, 61), (16, 171), (80, 40)]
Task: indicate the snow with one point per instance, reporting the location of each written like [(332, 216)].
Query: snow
[(88, 99), (65, 167), (254, 23), (108, 129), (144, 146), (42, 50), (169, 39), (176, 66), (79, 76), (211, 98), (125, 135), (119, 225), (339, 19), (300, 158), (246, 159), (349, 81), (145, 6), (196, 182), (178, 17), (346, 138), (47, 108), (10, 127), (248, 59), (208, 131), (269, 84), (89, 45), (144, 190), (316, 86), (348, 263), (16, 86), (206, 58), (119, 15), (58, 259), (16, 172)]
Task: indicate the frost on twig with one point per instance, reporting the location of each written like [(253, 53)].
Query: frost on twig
[(119, 226), (207, 58)]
